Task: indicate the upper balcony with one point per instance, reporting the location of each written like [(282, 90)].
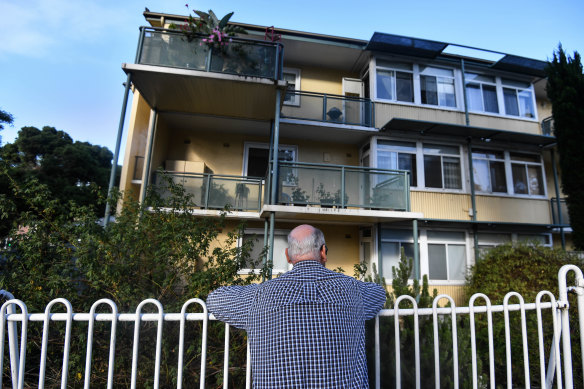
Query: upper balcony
[(321, 107), (177, 75)]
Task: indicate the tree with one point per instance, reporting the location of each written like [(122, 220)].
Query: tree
[(7, 118), (565, 89), (71, 170), (153, 250)]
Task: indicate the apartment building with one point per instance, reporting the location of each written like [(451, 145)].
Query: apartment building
[(382, 143)]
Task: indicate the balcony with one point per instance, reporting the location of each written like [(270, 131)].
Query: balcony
[(337, 186), (214, 191), (327, 108), (173, 73), (563, 211)]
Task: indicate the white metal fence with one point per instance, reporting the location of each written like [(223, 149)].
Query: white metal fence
[(557, 366)]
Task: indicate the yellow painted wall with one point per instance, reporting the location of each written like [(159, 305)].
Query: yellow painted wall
[(436, 205), (544, 108), (136, 142), (323, 80), (508, 209)]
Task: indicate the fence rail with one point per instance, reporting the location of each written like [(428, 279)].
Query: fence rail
[(556, 364)]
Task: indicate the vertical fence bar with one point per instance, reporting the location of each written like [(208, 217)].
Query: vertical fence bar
[(554, 365), (247, 366), (45, 340), (508, 339), (377, 355), (474, 343), (397, 342), (110, 373), (136, 345), (12, 341), (19, 370), (226, 358), (181, 341)]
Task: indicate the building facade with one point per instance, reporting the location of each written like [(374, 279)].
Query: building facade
[(387, 144)]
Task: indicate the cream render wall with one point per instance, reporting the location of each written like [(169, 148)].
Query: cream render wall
[(322, 80), (136, 141)]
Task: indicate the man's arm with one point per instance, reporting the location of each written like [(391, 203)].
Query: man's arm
[(231, 304), (373, 298)]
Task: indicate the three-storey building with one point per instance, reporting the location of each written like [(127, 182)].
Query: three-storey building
[(388, 144)]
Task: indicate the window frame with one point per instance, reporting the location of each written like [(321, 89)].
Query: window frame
[(503, 160), (260, 232), (380, 265), (442, 155), (481, 88), (424, 249), (295, 101), (260, 145), (395, 69), (527, 164), (518, 90), (426, 73)]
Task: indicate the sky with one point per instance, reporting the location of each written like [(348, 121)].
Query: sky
[(60, 60)]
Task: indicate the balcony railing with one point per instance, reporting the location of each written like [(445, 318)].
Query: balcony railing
[(563, 211), (343, 186), (328, 108), (244, 57), (215, 191)]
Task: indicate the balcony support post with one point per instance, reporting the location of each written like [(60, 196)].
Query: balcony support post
[(324, 108), (117, 150), (148, 157), (265, 258), (271, 246), (558, 205), (275, 150), (466, 117), (343, 205)]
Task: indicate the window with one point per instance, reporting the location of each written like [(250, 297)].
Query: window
[(292, 77), (255, 262), (518, 98), (392, 241), (487, 241), (489, 171), (437, 86), (256, 155), (446, 255), (395, 81), (527, 174), (481, 93), (442, 166), (398, 156)]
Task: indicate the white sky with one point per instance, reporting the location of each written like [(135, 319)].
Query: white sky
[(60, 60)]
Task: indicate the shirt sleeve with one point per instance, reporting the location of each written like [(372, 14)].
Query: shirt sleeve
[(373, 298), (231, 304)]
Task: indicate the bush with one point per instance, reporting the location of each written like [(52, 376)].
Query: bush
[(527, 269), (153, 250)]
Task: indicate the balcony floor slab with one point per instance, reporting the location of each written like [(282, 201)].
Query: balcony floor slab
[(340, 215)]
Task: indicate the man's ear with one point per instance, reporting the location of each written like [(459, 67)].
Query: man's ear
[(323, 254), (287, 256)]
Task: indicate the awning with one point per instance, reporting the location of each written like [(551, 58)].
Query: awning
[(422, 128)]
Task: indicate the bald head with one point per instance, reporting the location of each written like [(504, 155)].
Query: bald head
[(305, 243)]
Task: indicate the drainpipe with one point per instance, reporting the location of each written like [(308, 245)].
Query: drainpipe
[(148, 157), (274, 178), (559, 209), (470, 167)]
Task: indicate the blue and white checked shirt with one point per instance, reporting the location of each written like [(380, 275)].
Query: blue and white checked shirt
[(306, 327)]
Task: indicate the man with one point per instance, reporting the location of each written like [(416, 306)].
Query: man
[(306, 327)]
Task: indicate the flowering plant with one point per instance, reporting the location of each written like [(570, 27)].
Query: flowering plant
[(217, 33)]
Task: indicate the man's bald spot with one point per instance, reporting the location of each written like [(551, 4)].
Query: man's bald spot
[(302, 232)]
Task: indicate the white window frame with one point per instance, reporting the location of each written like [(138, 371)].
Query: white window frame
[(295, 101), (390, 240), (393, 149), (424, 256), (509, 173), (510, 184), (420, 174), (481, 85), (260, 232), (396, 68), (518, 89), (460, 159), (428, 74), (489, 160)]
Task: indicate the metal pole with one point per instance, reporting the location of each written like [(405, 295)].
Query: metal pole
[(117, 150), (149, 147), (276, 154), (271, 246), (559, 209)]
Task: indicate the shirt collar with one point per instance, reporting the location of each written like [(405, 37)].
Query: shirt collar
[(307, 263)]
